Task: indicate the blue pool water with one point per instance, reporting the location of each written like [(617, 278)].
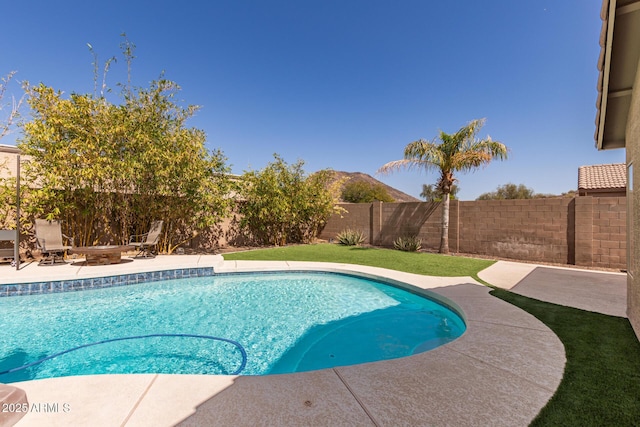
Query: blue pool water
[(287, 322)]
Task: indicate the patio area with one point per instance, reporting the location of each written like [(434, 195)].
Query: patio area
[(502, 371)]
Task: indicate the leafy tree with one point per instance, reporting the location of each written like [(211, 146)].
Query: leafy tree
[(509, 191), (513, 191), (7, 202), (570, 193), (460, 151), (109, 169), (281, 204), (359, 191), (431, 194)]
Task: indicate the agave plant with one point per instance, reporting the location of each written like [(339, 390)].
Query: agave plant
[(408, 243), (350, 237)]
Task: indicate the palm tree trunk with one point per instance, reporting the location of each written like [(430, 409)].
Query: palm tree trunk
[(444, 237)]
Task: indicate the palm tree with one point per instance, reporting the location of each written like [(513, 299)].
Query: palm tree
[(460, 151)]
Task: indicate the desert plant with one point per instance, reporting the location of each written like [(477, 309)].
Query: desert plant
[(350, 237), (408, 243)]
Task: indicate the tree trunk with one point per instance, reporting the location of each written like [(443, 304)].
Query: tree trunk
[(444, 237)]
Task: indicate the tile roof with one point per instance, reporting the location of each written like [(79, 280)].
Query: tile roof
[(602, 176)]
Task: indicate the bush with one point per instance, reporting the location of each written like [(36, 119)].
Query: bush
[(350, 237), (408, 243), (282, 204)]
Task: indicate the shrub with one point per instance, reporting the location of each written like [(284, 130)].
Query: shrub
[(408, 243), (282, 204), (350, 237)]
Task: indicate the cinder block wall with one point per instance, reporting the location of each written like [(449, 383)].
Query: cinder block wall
[(587, 231), (531, 230), (356, 216), (609, 231), (411, 219)]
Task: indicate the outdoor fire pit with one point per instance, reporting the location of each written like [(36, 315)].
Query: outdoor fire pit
[(102, 255)]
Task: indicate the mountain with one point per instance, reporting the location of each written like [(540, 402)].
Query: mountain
[(397, 195)]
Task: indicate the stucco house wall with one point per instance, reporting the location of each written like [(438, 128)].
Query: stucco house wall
[(618, 120), (8, 160), (633, 200)]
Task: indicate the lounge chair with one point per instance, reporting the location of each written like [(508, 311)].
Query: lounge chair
[(147, 243), (49, 240)]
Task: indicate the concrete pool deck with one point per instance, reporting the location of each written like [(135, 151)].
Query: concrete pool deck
[(501, 372)]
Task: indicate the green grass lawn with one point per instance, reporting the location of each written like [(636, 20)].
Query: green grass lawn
[(411, 262), (601, 383)]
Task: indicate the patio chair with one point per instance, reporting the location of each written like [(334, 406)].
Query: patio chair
[(5, 250), (49, 239), (147, 243)]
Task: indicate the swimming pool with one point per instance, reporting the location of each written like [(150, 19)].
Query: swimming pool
[(286, 321)]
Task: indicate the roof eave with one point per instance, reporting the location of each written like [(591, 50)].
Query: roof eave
[(604, 66), (620, 50)]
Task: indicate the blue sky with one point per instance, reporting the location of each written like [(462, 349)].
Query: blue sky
[(344, 84)]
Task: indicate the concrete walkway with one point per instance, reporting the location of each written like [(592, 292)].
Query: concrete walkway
[(501, 372), (597, 291)]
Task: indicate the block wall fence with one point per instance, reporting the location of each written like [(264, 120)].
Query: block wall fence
[(584, 231)]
